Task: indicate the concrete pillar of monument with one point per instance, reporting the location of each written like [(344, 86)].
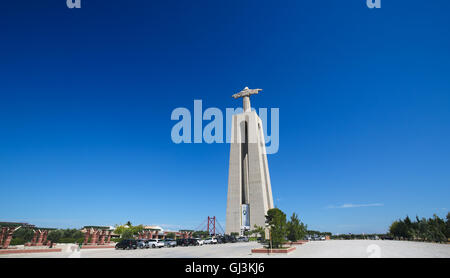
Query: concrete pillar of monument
[(246, 104)]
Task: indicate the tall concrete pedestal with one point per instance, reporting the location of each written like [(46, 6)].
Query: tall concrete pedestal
[(249, 188)]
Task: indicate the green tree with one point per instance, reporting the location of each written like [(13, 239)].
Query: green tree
[(431, 229), (258, 230), (200, 234), (296, 230), (422, 228), (23, 234), (171, 235), (409, 229), (128, 231), (399, 229), (276, 219), (119, 229), (127, 234), (436, 229), (137, 229), (72, 233), (54, 236), (447, 224)]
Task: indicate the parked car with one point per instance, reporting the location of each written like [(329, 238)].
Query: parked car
[(153, 243), (147, 243), (242, 239), (229, 239), (127, 244), (168, 242), (210, 240), (141, 243), (193, 242), (323, 238), (183, 242)]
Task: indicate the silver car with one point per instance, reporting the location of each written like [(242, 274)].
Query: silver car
[(142, 244), (168, 242)]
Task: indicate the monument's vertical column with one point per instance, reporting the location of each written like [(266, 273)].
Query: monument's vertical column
[(249, 188), (234, 197)]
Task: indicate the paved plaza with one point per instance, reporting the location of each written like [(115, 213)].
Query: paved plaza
[(314, 249)]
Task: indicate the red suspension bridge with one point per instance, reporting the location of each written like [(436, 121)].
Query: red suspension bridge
[(212, 226)]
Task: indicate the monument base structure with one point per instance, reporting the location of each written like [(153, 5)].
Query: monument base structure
[(249, 188)]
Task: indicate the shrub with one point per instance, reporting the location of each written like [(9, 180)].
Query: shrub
[(70, 240), (170, 235), (55, 236), (259, 231), (18, 241), (24, 234)]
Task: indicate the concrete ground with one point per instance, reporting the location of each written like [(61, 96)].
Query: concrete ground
[(314, 249)]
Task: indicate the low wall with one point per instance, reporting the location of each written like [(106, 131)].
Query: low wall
[(298, 242), (274, 251), (96, 246), (18, 251)]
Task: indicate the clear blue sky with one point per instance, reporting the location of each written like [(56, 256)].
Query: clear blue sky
[(86, 97)]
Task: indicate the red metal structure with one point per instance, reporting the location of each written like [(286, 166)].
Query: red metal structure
[(211, 226)]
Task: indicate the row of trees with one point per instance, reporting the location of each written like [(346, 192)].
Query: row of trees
[(360, 236), (280, 229), (433, 229), (319, 233), (128, 231)]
